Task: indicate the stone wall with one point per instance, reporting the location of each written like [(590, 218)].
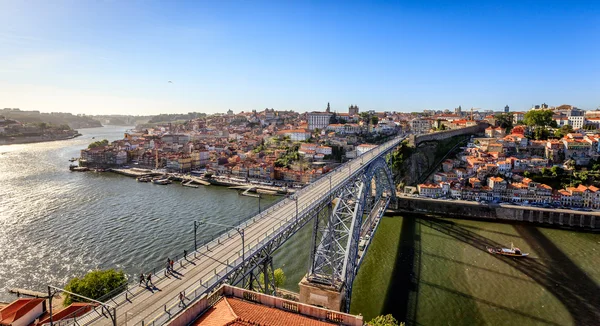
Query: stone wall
[(440, 135), (462, 209)]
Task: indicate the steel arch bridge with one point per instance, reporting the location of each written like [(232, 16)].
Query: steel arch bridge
[(343, 205), (337, 229)]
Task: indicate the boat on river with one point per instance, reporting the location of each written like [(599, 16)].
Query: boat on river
[(511, 252), (161, 181), (143, 179)]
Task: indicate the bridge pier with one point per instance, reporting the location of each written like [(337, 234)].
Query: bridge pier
[(321, 295)]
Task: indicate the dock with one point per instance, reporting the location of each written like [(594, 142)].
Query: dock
[(247, 193), (36, 294), (134, 172), (196, 180)]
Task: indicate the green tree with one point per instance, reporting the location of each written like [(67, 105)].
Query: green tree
[(538, 118), (365, 117), (101, 143), (374, 120), (560, 133), (278, 275), (540, 133), (505, 120), (94, 285), (384, 320)]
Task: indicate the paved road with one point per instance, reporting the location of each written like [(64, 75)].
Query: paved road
[(151, 305)]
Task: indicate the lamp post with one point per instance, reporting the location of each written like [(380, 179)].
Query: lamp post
[(259, 197), (238, 229)]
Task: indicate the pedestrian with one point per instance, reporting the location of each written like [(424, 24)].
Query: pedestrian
[(168, 263), (171, 262), (181, 299), (184, 254), (149, 279), (141, 278)]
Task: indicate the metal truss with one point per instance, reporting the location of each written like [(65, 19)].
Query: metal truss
[(259, 260), (334, 257)]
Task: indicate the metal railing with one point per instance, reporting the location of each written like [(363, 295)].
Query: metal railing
[(201, 288)]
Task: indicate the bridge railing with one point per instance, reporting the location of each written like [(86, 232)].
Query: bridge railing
[(200, 289)]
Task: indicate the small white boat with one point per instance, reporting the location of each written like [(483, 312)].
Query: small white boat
[(512, 252)]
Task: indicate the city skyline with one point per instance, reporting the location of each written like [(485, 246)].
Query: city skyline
[(110, 58)]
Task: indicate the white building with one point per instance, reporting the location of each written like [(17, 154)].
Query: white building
[(325, 150), (318, 120), (296, 134), (576, 121), (420, 126)]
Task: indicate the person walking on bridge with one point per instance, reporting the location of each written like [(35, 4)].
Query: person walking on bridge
[(141, 278), (181, 299), (171, 265), (149, 279)]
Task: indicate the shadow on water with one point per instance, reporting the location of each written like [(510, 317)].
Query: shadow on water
[(563, 278), (400, 299)]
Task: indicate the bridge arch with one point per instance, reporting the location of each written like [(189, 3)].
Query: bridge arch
[(352, 212)]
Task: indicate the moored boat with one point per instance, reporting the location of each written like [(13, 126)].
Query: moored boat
[(511, 252), (143, 179), (161, 181)]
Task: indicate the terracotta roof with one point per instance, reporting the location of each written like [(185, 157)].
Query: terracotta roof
[(17, 309), (73, 310), (234, 311)]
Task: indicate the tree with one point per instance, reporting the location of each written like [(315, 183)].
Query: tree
[(384, 320), (374, 120), (538, 118), (556, 171), (505, 120), (94, 285), (278, 275), (365, 116), (564, 130), (540, 133), (101, 143)]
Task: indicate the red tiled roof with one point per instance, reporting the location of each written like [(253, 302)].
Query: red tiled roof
[(17, 309), (73, 310), (234, 311)]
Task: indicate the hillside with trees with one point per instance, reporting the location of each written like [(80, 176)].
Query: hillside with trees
[(54, 118)]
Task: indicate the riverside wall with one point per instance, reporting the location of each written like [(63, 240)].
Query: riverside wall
[(440, 135), (494, 212)]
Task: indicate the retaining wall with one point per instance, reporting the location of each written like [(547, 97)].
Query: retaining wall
[(440, 135), (535, 215)]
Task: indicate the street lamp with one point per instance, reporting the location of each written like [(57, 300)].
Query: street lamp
[(238, 229)]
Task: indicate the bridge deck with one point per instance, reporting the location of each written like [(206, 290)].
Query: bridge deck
[(223, 255)]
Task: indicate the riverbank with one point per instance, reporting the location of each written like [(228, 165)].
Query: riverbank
[(437, 271), (35, 139), (218, 181)]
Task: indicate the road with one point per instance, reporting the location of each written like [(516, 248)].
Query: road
[(156, 305)]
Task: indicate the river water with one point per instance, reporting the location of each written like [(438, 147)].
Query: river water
[(56, 224)]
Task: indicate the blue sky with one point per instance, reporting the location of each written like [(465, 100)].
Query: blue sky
[(118, 56)]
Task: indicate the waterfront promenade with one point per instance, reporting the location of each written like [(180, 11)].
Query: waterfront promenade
[(221, 256)]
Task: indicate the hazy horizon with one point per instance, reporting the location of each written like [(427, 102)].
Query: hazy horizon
[(118, 57)]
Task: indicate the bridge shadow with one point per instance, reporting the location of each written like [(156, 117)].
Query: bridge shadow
[(561, 277), (401, 294)]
